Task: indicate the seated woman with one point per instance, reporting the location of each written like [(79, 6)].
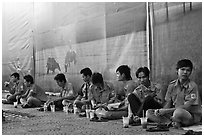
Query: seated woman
[(147, 95), (34, 96)]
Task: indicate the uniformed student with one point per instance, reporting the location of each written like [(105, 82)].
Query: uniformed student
[(183, 105), (34, 95), (147, 95), (15, 87), (82, 99)]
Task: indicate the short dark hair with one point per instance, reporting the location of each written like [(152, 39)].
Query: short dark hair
[(16, 75), (29, 78), (60, 77), (124, 69), (184, 63), (97, 78), (86, 72), (145, 70)]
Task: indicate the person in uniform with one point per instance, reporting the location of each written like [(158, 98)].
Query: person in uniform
[(183, 105), (147, 95)]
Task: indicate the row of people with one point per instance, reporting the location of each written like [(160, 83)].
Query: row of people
[(182, 103)]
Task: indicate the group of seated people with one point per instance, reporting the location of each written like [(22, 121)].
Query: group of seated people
[(180, 107)]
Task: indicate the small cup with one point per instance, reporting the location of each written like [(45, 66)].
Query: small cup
[(65, 109), (125, 122), (144, 122), (52, 108), (87, 113), (92, 113), (15, 104), (76, 110), (45, 107)]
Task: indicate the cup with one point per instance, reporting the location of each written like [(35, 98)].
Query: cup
[(45, 107), (52, 108), (144, 122), (65, 109), (92, 113), (87, 113), (76, 110), (15, 104), (125, 122)]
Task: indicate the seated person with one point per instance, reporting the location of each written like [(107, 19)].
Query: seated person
[(15, 87), (128, 85), (66, 93), (34, 95), (183, 105), (147, 95), (82, 99), (100, 92)]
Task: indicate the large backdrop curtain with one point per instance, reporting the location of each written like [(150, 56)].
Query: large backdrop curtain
[(63, 37), (46, 38)]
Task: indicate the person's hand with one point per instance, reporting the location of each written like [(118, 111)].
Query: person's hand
[(159, 112), (156, 112), (6, 84), (94, 105), (18, 97)]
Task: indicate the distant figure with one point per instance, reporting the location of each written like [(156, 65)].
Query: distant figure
[(70, 57), (52, 65)]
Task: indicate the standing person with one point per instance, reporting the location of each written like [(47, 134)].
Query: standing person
[(34, 95), (183, 105), (82, 98), (15, 87), (66, 93), (147, 95)]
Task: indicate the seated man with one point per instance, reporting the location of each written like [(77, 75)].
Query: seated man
[(82, 98), (15, 87), (66, 93), (146, 96), (100, 92), (183, 106), (128, 85), (34, 95)]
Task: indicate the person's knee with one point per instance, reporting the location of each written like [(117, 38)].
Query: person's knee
[(181, 115), (131, 97), (149, 113), (33, 101), (115, 114)]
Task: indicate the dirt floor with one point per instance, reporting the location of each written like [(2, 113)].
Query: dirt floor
[(30, 121)]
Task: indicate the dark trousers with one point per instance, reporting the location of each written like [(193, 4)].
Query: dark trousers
[(138, 107)]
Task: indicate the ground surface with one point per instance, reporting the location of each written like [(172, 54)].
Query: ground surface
[(30, 121)]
